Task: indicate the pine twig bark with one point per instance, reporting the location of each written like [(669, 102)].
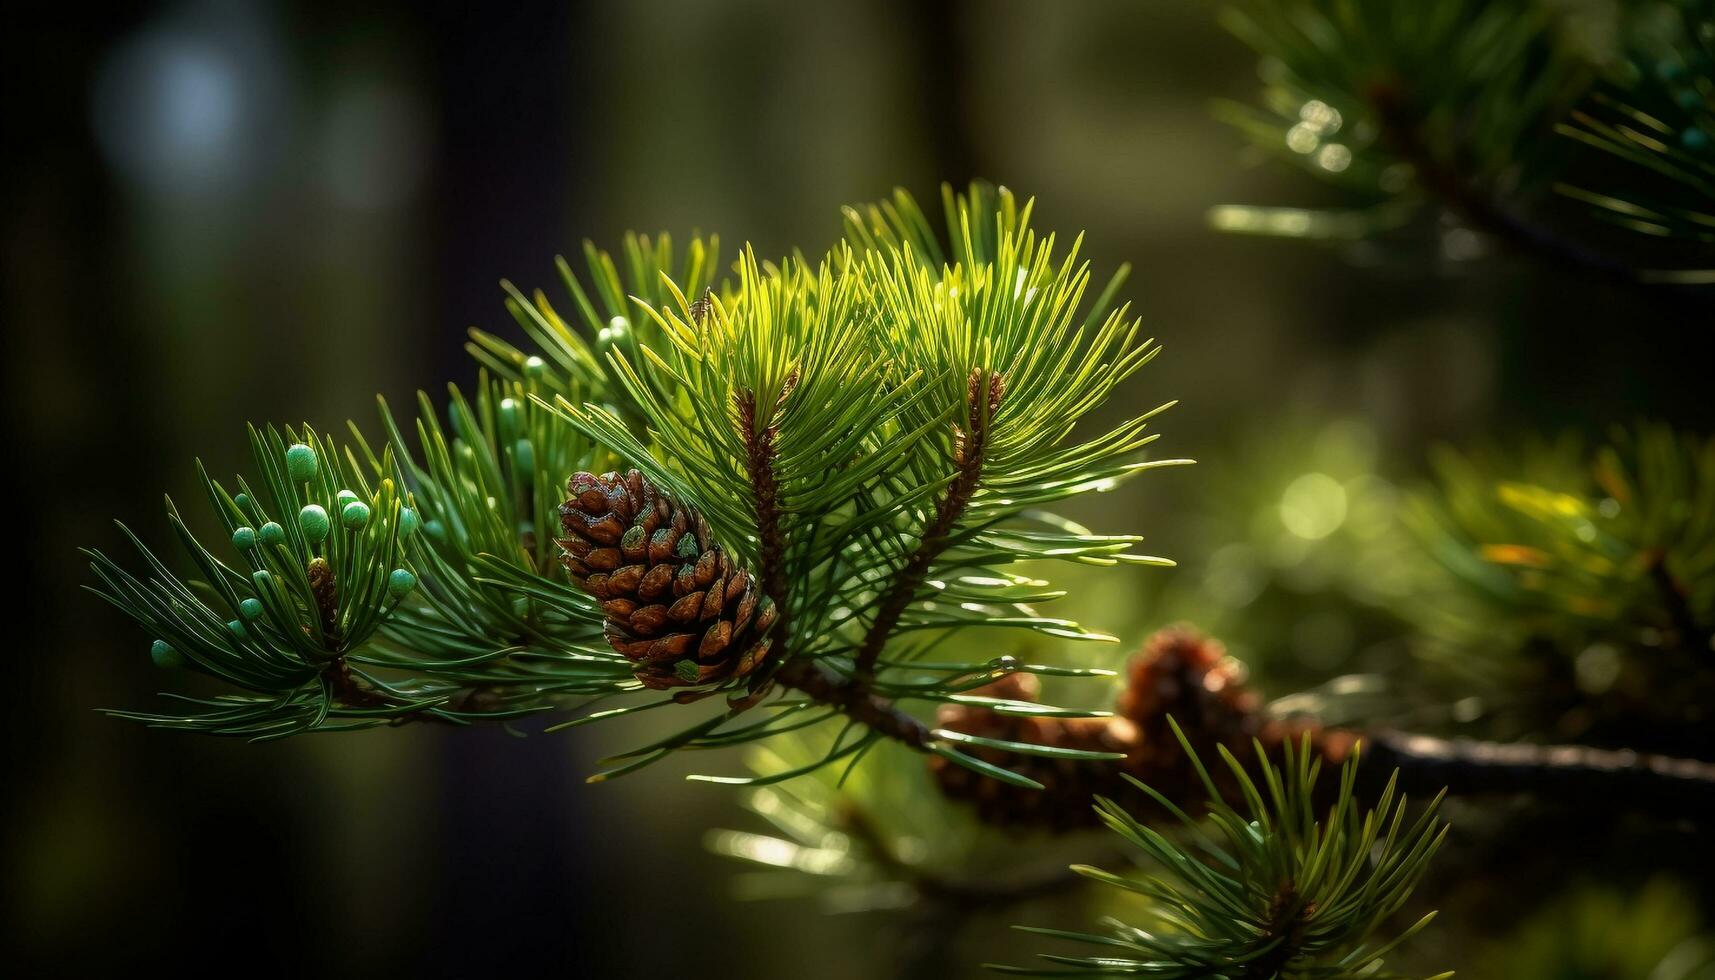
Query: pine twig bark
[(771, 539), (983, 395), (345, 688), (1288, 918), (1573, 775), (855, 699), (1401, 132), (1186, 676), (821, 683)]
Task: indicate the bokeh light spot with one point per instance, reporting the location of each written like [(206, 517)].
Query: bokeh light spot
[(1313, 506)]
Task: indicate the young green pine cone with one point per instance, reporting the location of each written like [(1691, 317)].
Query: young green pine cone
[(676, 605)]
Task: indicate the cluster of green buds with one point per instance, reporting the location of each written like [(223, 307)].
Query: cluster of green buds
[(483, 471), (321, 564)]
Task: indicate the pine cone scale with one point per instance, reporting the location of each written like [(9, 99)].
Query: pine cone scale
[(623, 580), (655, 583)]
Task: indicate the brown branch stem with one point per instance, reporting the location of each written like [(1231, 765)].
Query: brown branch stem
[(854, 699), (1287, 918), (814, 679), (1402, 134), (325, 590), (347, 689), (771, 539), (1569, 774), (968, 467)]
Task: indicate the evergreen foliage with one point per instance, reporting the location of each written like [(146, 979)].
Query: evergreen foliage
[(1578, 581), (1656, 112), (1452, 106), (874, 437), (1264, 890), (772, 498)]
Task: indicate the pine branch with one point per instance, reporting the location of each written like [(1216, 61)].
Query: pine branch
[(1454, 103), (1184, 684), (1261, 889), (854, 698), (759, 434), (1402, 132), (1537, 553), (982, 402), (1283, 931), (785, 513), (1569, 775)]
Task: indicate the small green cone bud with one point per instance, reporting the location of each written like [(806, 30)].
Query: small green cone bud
[(237, 629), (400, 583), (525, 454), (301, 463), (164, 656), (313, 521), (272, 534), (535, 367), (408, 522), (510, 415), (250, 608), (1694, 139), (243, 502), (244, 538), (436, 530), (345, 497), (354, 515)]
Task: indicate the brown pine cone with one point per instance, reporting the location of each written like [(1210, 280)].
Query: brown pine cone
[(1186, 674), (1064, 802), (677, 606), (1179, 672), (1183, 673)]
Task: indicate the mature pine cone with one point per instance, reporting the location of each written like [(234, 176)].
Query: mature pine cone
[(1183, 673), (1179, 672), (1065, 801), (677, 606)]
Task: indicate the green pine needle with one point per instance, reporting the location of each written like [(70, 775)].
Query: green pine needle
[(1265, 889)]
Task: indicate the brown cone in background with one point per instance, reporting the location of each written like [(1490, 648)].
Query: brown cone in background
[(1065, 801), (1185, 674), (1179, 672), (676, 605)]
